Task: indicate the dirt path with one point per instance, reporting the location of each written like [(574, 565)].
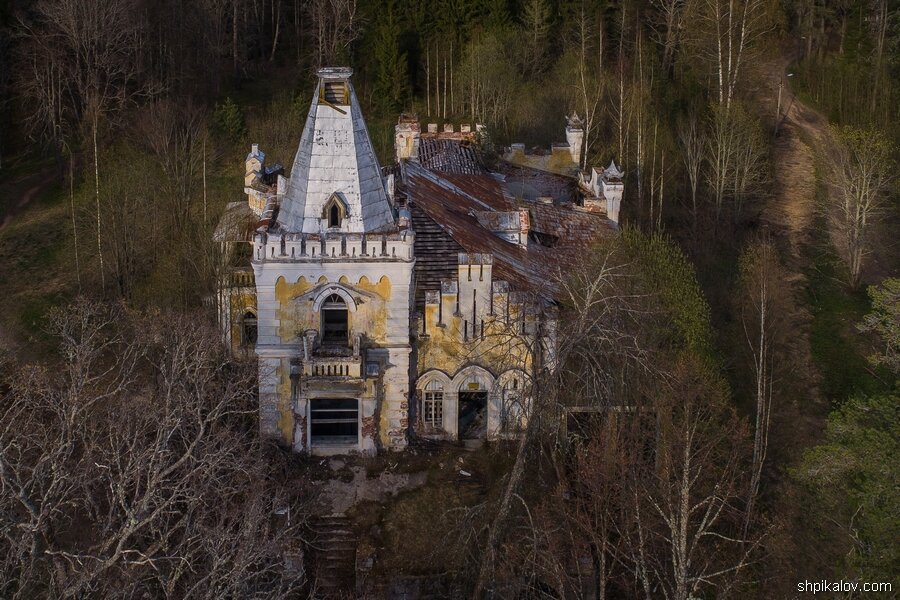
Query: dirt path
[(792, 206), (799, 421)]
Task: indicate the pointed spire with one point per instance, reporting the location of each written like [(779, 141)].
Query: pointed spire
[(335, 157), (612, 171)]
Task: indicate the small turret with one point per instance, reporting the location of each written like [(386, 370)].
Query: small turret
[(612, 187), (255, 164), (575, 136)]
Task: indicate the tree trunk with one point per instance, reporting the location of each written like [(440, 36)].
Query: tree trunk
[(74, 225), (95, 124)]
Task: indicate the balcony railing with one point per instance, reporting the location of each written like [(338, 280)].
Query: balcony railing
[(333, 367)]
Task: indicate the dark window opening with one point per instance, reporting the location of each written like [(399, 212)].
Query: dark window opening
[(249, 329), (334, 320), (334, 216), (544, 239), (335, 92), (334, 421)]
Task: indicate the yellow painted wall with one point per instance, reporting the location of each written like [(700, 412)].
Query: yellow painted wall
[(296, 312), (501, 347)]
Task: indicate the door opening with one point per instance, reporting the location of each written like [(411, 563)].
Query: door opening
[(333, 421), (472, 415)]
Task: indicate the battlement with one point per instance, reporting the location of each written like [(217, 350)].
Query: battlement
[(408, 132), (448, 131), (474, 305), (291, 247)]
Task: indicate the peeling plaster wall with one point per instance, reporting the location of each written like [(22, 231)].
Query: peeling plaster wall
[(380, 291), (450, 351)]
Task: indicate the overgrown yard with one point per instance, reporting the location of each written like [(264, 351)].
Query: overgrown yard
[(37, 266)]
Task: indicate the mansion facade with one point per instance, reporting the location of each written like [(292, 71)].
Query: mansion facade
[(411, 301)]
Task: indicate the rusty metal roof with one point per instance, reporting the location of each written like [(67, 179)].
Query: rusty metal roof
[(454, 202), (528, 183), (449, 156)]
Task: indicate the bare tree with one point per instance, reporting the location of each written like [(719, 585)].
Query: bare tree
[(127, 471), (735, 157), (590, 81), (721, 147), (669, 28), (693, 147), (685, 526), (763, 303), (861, 174), (727, 32), (334, 28), (175, 134)]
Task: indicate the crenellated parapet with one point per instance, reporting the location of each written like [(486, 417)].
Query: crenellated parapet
[(474, 306), (275, 246)]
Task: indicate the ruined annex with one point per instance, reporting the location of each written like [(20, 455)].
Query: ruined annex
[(410, 301)]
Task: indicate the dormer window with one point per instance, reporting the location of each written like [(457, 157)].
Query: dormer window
[(334, 212), (334, 92), (334, 216)]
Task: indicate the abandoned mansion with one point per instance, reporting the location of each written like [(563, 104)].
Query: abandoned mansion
[(387, 304)]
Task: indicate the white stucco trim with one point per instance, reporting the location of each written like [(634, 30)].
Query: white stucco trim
[(334, 288)]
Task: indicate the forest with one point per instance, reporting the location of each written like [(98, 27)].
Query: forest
[(752, 297)]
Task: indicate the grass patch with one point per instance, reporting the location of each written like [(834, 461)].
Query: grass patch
[(838, 349), (36, 266)]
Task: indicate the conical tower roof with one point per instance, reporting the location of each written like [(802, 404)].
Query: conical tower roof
[(335, 160)]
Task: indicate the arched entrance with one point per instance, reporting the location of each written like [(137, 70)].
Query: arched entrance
[(472, 416)]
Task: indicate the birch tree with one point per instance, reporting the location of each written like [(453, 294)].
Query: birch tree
[(727, 33), (763, 305), (692, 139), (685, 529), (861, 175)]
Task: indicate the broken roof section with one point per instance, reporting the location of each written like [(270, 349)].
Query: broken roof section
[(457, 204), (336, 158)]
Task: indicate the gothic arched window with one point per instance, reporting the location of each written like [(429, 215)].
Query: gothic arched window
[(334, 212), (249, 329), (334, 320)]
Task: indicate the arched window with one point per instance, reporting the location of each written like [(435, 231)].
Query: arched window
[(248, 329), (512, 410), (334, 212), (334, 216), (433, 405), (334, 320)]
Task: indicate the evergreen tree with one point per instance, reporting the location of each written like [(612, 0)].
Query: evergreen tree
[(391, 73)]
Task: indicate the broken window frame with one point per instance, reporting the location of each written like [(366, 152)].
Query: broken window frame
[(334, 412), (334, 304), (335, 92), (433, 405), (249, 329)]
